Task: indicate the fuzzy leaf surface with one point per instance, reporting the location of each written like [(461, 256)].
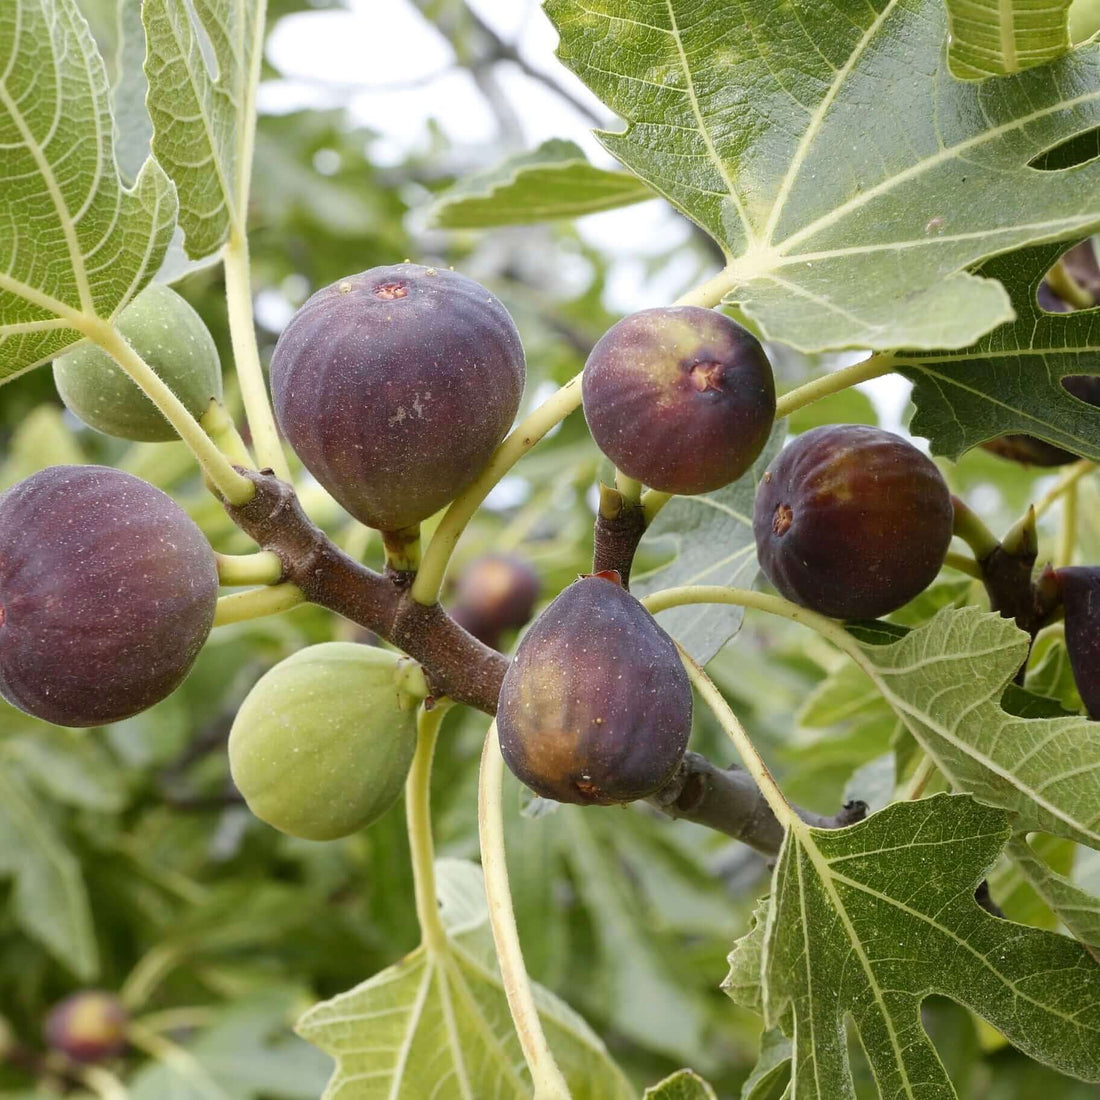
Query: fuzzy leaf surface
[(850, 178), (868, 921), (75, 243), (555, 180), (995, 37)]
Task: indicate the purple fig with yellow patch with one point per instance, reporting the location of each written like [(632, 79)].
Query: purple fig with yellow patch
[(852, 521), (395, 386), (596, 706), (679, 398), (88, 1026), (1080, 585), (496, 592)]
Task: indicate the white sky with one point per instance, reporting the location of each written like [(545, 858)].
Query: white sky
[(394, 72)]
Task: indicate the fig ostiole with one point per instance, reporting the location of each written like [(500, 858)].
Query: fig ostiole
[(395, 386), (172, 338), (322, 744), (596, 706), (852, 521), (680, 398), (107, 593)]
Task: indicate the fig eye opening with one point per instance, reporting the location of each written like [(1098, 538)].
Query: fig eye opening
[(389, 291), (782, 519)]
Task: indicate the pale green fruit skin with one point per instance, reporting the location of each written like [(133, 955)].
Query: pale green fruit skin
[(171, 337), (321, 746)]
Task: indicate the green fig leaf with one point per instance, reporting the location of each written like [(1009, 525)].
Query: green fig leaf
[(684, 1084), (204, 125), (553, 181), (75, 244), (1078, 909), (869, 920), (756, 120), (438, 1023), (771, 1076), (713, 542), (996, 39)]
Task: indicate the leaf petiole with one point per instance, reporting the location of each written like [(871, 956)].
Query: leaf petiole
[(255, 603), (263, 567), (873, 367)]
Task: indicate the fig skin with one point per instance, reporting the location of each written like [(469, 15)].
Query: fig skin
[(394, 387), (1080, 585), (89, 1026), (852, 521), (107, 594), (679, 398), (321, 746), (596, 706), (172, 338), (496, 592)]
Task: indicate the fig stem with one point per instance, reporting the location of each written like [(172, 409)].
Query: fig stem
[(630, 489), (263, 567), (418, 817), (970, 528), (171, 1054), (753, 762), (926, 769), (402, 549), (218, 424), (1070, 478), (246, 356), (255, 603), (429, 579), (1068, 288), (1067, 535), (653, 500), (549, 1084), (873, 367), (232, 485), (103, 1083), (964, 564)]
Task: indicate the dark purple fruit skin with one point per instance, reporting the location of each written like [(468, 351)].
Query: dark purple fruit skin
[(496, 592), (596, 706), (88, 1026), (1080, 586), (394, 387), (679, 398), (851, 521), (107, 594)]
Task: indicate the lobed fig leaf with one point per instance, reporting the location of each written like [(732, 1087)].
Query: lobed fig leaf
[(321, 745)]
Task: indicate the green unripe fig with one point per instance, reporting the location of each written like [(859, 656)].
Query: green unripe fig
[(171, 337), (321, 746)]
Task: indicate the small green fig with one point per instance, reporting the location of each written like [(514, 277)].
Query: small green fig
[(88, 1026), (322, 744), (395, 386), (171, 337), (679, 398), (596, 706), (1080, 585), (852, 521)]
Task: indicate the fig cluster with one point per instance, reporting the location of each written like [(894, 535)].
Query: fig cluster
[(321, 746), (596, 706), (107, 594), (394, 387), (495, 593), (852, 521), (679, 398), (172, 338)]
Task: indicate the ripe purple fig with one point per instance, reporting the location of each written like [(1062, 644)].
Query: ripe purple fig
[(679, 398), (107, 594), (395, 386), (596, 706), (88, 1026), (852, 521), (1080, 586), (496, 592)]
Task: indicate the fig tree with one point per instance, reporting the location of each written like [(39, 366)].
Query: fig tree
[(496, 592), (852, 521), (321, 745), (596, 706), (394, 387), (679, 398), (172, 338), (1080, 585), (88, 1026), (107, 594)]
